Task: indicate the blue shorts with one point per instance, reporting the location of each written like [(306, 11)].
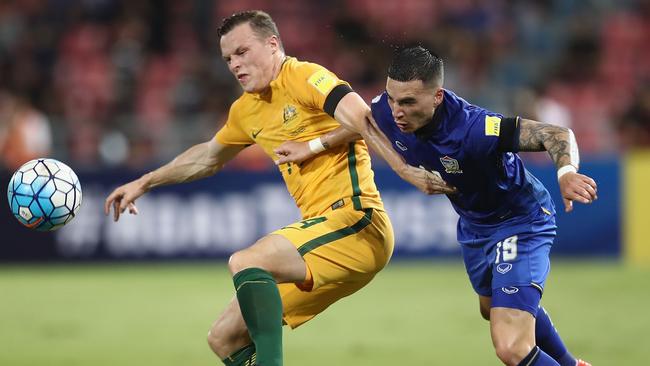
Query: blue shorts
[(510, 258)]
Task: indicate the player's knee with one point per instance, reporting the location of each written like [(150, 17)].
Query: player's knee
[(239, 261), (215, 341), (506, 355), (235, 262), (511, 354)]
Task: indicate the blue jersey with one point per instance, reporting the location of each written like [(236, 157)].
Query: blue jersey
[(461, 144)]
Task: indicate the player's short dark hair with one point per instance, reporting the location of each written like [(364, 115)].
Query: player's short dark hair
[(416, 63), (261, 23)]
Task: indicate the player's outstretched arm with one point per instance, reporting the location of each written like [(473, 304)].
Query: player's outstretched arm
[(197, 162), (354, 114), (356, 122), (563, 149)]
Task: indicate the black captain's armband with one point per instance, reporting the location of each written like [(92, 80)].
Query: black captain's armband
[(509, 134), (334, 97)]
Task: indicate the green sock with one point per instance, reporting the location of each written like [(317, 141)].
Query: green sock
[(243, 357), (261, 307)]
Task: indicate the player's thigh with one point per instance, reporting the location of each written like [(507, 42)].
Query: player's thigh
[(273, 253), (521, 260), (503, 261), (300, 306), (478, 268), (344, 245), (343, 250)]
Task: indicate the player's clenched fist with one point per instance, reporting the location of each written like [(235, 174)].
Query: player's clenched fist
[(577, 187)]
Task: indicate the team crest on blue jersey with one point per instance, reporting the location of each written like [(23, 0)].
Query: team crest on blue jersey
[(290, 113), (451, 165)]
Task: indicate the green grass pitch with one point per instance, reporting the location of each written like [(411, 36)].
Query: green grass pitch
[(422, 313)]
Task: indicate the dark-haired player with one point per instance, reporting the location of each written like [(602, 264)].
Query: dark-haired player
[(507, 218)]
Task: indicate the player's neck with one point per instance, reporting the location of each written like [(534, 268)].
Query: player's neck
[(279, 58), (276, 68), (426, 130)]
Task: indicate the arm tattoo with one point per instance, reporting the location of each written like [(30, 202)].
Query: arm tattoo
[(538, 136)]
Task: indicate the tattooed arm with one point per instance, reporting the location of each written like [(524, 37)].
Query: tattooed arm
[(558, 141), (561, 145)]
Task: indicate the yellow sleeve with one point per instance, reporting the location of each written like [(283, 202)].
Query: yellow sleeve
[(232, 133), (311, 84)]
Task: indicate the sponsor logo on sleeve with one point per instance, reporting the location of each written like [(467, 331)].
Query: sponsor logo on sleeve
[(492, 126), (510, 290), (323, 81)]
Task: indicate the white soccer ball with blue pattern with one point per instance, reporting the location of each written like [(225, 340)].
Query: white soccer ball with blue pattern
[(44, 194)]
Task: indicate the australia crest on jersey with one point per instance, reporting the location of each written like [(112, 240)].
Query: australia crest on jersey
[(290, 121), (451, 165), (289, 114)]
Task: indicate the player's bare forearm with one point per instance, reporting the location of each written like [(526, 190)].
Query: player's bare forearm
[(424, 180), (339, 136), (196, 162), (563, 149), (558, 141), (354, 115), (379, 143), (199, 161)]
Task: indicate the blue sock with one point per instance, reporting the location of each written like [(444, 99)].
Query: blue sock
[(537, 357), (549, 340)]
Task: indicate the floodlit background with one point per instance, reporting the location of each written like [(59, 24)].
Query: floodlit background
[(117, 88)]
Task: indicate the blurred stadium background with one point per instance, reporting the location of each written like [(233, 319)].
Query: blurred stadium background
[(116, 88)]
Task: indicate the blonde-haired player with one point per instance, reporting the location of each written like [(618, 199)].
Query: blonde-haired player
[(345, 236)]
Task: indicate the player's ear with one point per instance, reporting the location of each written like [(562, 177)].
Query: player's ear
[(437, 96), (274, 42)]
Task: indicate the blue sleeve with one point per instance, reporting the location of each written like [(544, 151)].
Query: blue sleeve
[(375, 105), (482, 138), (380, 110)]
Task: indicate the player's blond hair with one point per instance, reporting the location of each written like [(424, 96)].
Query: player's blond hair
[(261, 23)]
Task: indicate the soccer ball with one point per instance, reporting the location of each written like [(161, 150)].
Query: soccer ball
[(44, 194)]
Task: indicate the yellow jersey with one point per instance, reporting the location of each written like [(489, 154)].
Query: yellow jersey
[(292, 109)]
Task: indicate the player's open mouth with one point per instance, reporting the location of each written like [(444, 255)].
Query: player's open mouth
[(402, 126), (242, 77)]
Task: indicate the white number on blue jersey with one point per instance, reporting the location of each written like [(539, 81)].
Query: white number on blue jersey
[(507, 250)]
